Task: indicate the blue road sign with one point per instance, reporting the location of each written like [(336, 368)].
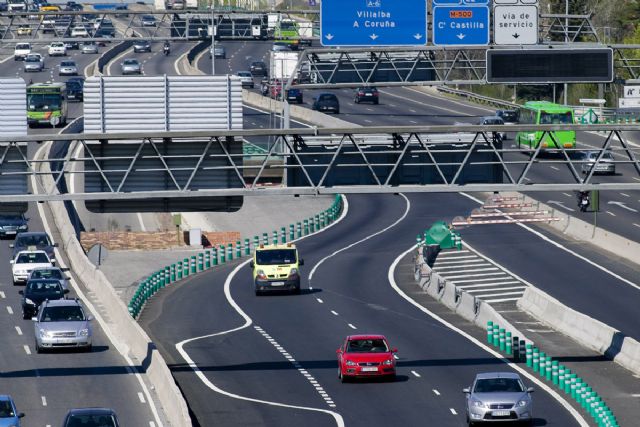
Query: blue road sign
[(462, 25), (373, 22), (460, 2)]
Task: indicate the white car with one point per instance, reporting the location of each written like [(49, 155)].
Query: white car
[(27, 261), (57, 49), (79, 32), (246, 79), (21, 51)]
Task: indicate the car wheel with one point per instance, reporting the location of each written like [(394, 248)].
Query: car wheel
[(296, 291), (25, 316), (337, 111), (355, 101), (38, 348), (258, 293), (88, 348), (375, 102)]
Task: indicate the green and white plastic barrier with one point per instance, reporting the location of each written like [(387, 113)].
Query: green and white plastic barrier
[(213, 257)]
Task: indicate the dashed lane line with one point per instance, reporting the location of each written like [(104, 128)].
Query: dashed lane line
[(18, 330), (141, 397), (10, 310), (319, 300), (415, 374), (453, 411), (44, 400), (335, 313), (2, 295), (351, 326), (26, 349), (436, 392)]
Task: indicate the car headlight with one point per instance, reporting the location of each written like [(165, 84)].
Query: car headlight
[(260, 274), (388, 362), (44, 333), (28, 301), (83, 333), (523, 403), (478, 404), (293, 272), (350, 363)]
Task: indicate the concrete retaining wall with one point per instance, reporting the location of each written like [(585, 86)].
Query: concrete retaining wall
[(131, 339), (108, 55), (465, 305), (582, 328)]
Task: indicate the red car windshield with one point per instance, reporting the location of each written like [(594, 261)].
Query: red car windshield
[(377, 345)]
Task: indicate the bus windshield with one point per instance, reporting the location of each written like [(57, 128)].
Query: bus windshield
[(287, 26), (555, 118), (43, 102)]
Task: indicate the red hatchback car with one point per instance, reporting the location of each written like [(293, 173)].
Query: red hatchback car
[(366, 356)]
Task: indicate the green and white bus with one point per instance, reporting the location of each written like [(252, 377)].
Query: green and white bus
[(546, 113), (47, 104)]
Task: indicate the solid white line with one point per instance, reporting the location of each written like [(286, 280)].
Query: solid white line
[(506, 277), (496, 289), (636, 225), (567, 194), (26, 349), (392, 281), (462, 276), (247, 322), (554, 168), (141, 397), (474, 270), (44, 401), (352, 327), (18, 330), (10, 310), (500, 294), (453, 253), (453, 411), (436, 392), (335, 313), (558, 245), (404, 215), (464, 261), (96, 314), (152, 424), (416, 374), (502, 300), (625, 194), (484, 285)]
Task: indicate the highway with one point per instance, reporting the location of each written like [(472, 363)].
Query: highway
[(350, 295)]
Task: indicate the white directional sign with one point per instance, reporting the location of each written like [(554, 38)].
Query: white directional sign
[(515, 22), (629, 103), (631, 92)]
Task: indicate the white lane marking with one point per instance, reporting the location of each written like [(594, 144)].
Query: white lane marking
[(500, 294), (321, 391), (415, 374), (559, 246), (487, 279), (460, 267), (636, 225), (485, 285), (334, 313), (412, 110), (464, 261), (454, 254), (611, 213), (44, 400), (453, 411), (475, 270), (567, 194), (319, 300), (152, 424), (364, 239), (131, 367), (2, 295), (26, 349), (625, 195), (392, 281), (554, 168), (436, 392), (247, 322), (351, 326), (18, 330), (462, 276), (368, 121), (141, 397), (10, 310), (490, 301), (496, 289)]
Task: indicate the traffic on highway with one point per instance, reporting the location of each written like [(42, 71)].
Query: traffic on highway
[(326, 327)]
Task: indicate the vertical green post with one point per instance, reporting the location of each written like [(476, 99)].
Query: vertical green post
[(306, 227), (561, 377), (172, 273), (496, 335), (543, 364), (167, 275), (528, 354), (299, 229), (207, 259), (179, 270), (256, 241), (292, 232), (214, 256), (194, 266), (283, 235), (489, 324), (312, 224), (573, 383), (230, 251), (247, 248), (265, 238), (507, 344), (275, 237), (186, 269), (548, 365), (238, 249), (536, 359), (516, 348), (200, 261), (501, 339), (223, 254), (554, 372)]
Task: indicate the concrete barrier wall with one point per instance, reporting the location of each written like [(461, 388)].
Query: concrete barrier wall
[(131, 339), (582, 328), (111, 53), (467, 306)]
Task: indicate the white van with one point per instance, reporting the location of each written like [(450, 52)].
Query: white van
[(21, 51)]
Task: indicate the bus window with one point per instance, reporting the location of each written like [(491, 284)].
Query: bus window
[(43, 102), (555, 118)]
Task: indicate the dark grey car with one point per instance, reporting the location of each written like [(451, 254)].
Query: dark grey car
[(37, 240), (11, 224), (498, 396), (142, 46)]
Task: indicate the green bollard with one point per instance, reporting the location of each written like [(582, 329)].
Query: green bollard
[(554, 372), (230, 251), (247, 248), (317, 222), (207, 260), (185, 265), (292, 232), (306, 227), (179, 270), (265, 238), (573, 383), (496, 335), (214, 256), (322, 220), (275, 237), (167, 275), (507, 344), (489, 323), (299, 228), (536, 359), (172, 273), (238, 249), (528, 354), (543, 364), (223, 254), (586, 395), (567, 381), (256, 241), (579, 390), (501, 339), (200, 261), (283, 235), (547, 364), (194, 265), (561, 376), (312, 224)]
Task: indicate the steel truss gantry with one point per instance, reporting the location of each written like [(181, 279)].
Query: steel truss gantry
[(312, 161)]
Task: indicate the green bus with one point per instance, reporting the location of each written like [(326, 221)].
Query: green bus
[(546, 113), (286, 31), (47, 104)]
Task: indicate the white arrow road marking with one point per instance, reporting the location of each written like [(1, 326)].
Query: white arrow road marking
[(560, 204), (623, 206)]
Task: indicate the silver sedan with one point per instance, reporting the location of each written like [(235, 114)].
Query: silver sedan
[(68, 68), (498, 396), (89, 47), (131, 66)]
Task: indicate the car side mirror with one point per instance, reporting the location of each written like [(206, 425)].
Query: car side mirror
[(11, 261), (34, 319), (251, 264), (466, 390), (21, 292), (89, 318), (339, 351), (67, 278), (55, 245), (66, 291), (11, 245), (301, 261), (20, 414), (394, 350), (530, 390)]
